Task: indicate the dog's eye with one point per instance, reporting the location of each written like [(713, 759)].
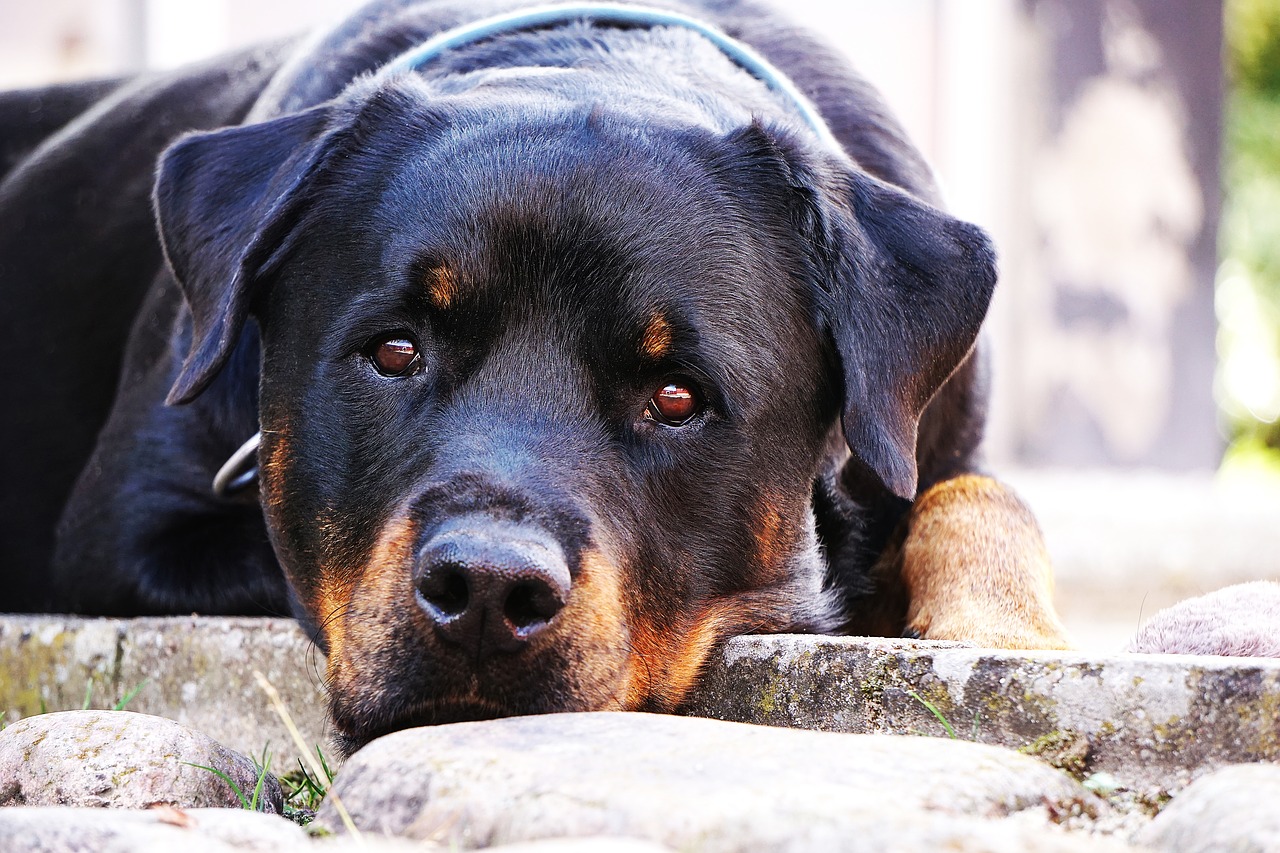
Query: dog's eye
[(395, 356), (673, 404)]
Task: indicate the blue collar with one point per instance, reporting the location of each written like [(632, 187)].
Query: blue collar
[(614, 13)]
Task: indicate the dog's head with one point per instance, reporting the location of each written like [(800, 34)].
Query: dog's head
[(545, 393)]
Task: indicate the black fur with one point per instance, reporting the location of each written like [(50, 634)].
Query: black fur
[(817, 301)]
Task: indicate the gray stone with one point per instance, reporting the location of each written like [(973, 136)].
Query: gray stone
[(161, 830), (122, 759), (1243, 619), (594, 844), (374, 843), (1154, 722), (705, 785), (1233, 809), (196, 670)]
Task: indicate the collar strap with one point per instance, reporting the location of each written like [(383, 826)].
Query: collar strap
[(618, 14)]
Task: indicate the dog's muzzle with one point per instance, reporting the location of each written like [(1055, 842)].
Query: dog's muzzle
[(488, 586)]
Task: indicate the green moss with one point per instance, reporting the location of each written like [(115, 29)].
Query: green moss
[(24, 668), (1259, 716), (884, 673), (1064, 749), (768, 702)]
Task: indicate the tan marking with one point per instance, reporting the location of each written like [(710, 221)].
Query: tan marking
[(384, 587), (594, 625), (667, 662), (975, 568), (442, 287), (275, 454), (657, 339), (716, 624), (771, 534)]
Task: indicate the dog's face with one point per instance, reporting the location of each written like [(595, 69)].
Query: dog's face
[(543, 398)]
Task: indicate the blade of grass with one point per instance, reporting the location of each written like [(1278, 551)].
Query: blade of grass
[(244, 801), (934, 710), (263, 769), (278, 704), (131, 695)]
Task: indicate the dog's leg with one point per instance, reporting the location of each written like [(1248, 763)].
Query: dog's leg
[(971, 564)]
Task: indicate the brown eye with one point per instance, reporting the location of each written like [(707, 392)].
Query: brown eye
[(674, 405), (395, 356)]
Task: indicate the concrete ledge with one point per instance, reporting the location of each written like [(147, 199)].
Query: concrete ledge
[(196, 670), (1154, 722)]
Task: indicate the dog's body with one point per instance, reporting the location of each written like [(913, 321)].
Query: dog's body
[(558, 345)]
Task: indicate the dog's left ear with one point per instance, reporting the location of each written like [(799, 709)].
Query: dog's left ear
[(224, 201), (903, 289)]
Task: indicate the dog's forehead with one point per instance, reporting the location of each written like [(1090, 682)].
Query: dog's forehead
[(571, 203)]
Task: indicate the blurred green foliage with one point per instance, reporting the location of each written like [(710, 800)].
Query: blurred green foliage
[(1249, 278)]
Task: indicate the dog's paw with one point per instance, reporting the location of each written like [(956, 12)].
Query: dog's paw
[(976, 569), (993, 630)]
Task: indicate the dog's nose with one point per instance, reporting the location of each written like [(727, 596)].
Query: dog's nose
[(489, 585)]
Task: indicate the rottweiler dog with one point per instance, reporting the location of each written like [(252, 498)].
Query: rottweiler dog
[(560, 344)]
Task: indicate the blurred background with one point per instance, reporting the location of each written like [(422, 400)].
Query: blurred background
[(1125, 155)]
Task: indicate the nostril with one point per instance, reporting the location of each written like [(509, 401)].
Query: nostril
[(489, 586), (531, 604), (445, 588)]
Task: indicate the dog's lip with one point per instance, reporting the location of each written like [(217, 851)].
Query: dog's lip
[(356, 730)]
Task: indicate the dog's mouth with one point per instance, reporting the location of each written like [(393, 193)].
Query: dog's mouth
[(355, 729), (356, 726)]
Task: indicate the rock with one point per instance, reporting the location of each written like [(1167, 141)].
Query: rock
[(121, 759), (703, 784), (593, 844), (159, 830), (1232, 809), (371, 843), (1241, 620)]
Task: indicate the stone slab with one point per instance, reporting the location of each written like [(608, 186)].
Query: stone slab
[(698, 784), (59, 830), (1154, 722), (195, 670)]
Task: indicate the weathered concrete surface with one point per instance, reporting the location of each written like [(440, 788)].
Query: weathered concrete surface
[(696, 784), (1233, 809), (124, 760), (164, 830), (197, 671), (1153, 721)]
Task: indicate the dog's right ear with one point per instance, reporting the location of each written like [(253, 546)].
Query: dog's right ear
[(224, 201)]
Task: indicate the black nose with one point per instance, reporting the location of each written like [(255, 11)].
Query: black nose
[(489, 585)]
